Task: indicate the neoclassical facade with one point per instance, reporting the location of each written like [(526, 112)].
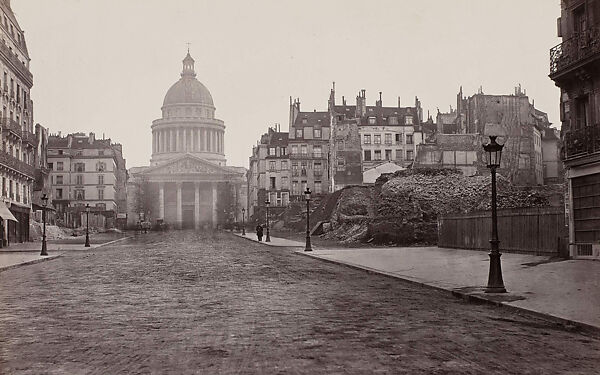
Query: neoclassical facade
[(188, 184)]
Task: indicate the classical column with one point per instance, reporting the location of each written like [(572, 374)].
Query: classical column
[(197, 205), (177, 139), (161, 200), (184, 148), (179, 213), (214, 204), (153, 142)]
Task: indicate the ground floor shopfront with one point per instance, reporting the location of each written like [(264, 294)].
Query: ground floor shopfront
[(584, 210)]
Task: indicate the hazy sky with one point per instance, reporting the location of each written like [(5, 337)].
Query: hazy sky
[(105, 65)]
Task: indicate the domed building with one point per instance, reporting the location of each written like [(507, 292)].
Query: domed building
[(188, 184)]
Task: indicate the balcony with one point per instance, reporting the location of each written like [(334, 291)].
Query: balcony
[(308, 155), (582, 141), (11, 125), (575, 50), (16, 164), (28, 137), (18, 64)]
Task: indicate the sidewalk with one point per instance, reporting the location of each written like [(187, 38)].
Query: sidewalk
[(566, 290), (29, 252), (275, 241)]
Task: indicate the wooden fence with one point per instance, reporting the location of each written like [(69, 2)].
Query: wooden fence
[(539, 231)]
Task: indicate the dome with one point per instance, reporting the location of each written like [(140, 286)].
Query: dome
[(188, 90)]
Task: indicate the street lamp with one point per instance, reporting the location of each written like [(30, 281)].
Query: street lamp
[(493, 152), (268, 238), (243, 223), (87, 229), (44, 247), (307, 196)]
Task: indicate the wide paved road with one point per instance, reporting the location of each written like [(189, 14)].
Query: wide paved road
[(184, 303)]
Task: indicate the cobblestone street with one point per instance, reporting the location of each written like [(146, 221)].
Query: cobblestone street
[(186, 303)]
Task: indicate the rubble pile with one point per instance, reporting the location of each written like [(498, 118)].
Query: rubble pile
[(403, 207), (53, 232)]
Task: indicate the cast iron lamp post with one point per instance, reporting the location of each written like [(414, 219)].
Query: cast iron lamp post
[(243, 222), (44, 246), (268, 238), (87, 222), (307, 197), (495, 284)]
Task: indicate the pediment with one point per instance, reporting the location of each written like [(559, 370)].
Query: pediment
[(188, 164)]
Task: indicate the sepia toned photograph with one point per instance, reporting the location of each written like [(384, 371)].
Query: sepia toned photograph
[(299, 187)]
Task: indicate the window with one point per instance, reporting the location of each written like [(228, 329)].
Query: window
[(398, 139), (51, 166), (79, 152), (367, 155), (100, 152), (377, 139), (408, 120), (372, 121), (581, 112), (283, 151), (285, 198), (284, 182), (341, 164), (294, 149), (317, 133), (299, 133), (79, 194), (101, 166), (59, 180), (79, 179), (100, 179), (388, 154), (409, 139), (294, 187), (340, 145), (303, 186), (4, 186), (284, 165), (304, 121), (377, 154), (59, 166), (272, 181), (79, 167), (410, 155), (317, 187), (271, 151), (60, 152), (101, 206), (59, 193), (304, 149), (272, 165), (303, 167), (393, 120), (367, 139), (318, 169), (388, 138), (317, 151)]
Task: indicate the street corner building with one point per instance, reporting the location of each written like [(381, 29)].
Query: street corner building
[(188, 184), (575, 69)]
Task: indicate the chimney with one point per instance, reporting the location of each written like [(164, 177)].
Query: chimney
[(361, 103), (92, 138), (343, 101), (378, 103), (398, 102)]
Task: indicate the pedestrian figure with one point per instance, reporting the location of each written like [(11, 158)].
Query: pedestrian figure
[(259, 232)]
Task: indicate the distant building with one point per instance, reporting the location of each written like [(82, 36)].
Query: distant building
[(519, 125), (86, 171), (575, 68), (18, 146), (188, 184), (269, 173)]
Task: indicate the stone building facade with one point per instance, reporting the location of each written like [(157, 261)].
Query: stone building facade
[(18, 146), (85, 170), (575, 69), (187, 184)]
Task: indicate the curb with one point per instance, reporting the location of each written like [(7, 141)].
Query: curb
[(567, 324), (51, 257), (111, 242), (264, 243)]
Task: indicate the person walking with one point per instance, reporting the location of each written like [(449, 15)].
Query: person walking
[(259, 232)]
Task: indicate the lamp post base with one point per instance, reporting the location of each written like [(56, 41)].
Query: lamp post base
[(87, 240), (243, 231), (495, 282), (44, 248), (308, 244)]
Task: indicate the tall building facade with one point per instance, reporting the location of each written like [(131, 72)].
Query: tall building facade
[(18, 146), (86, 171), (188, 184), (575, 69)]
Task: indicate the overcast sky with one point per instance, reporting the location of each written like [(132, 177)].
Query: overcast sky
[(105, 65)]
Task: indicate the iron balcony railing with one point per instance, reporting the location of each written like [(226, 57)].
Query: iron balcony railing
[(16, 164), (575, 49), (308, 155), (581, 141), (11, 125), (12, 57)]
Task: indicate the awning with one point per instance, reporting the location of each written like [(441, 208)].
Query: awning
[(5, 213)]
